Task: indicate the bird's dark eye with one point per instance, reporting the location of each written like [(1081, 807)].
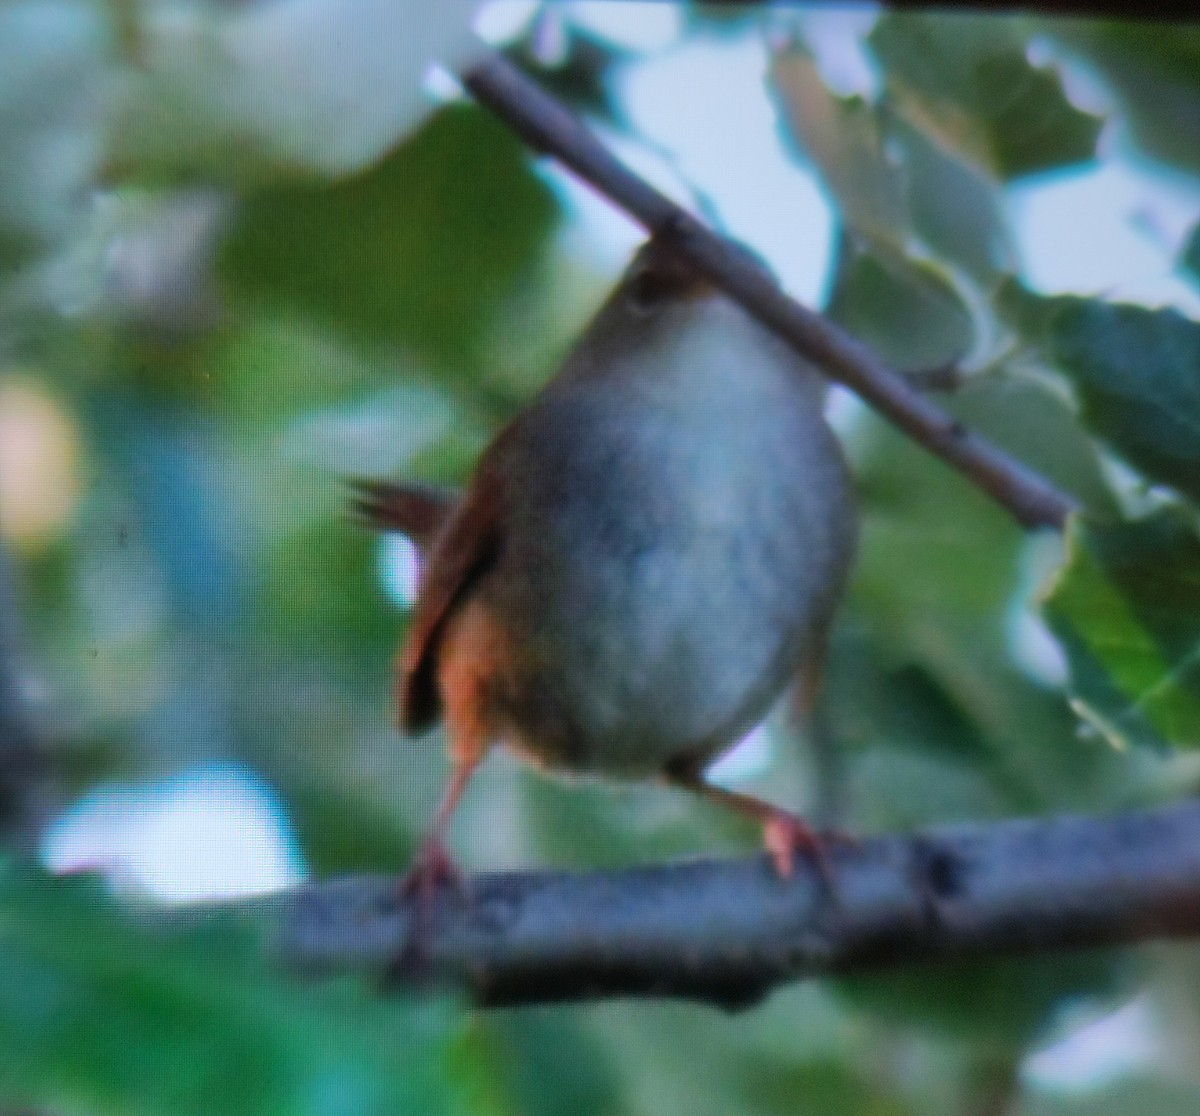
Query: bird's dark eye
[(647, 289)]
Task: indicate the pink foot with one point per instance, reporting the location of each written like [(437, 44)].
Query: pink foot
[(433, 869), (785, 834)]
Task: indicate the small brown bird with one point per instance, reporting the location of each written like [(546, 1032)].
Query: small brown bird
[(644, 558)]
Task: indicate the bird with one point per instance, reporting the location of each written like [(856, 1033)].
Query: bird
[(645, 557)]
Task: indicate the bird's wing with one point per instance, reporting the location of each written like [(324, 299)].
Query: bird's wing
[(464, 550)]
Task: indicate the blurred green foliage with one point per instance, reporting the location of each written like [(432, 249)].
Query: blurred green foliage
[(1125, 609), (243, 258), (1153, 424), (1190, 256), (970, 81), (97, 1015), (366, 237)]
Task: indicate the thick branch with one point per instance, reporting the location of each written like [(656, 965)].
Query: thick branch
[(549, 127), (728, 932)]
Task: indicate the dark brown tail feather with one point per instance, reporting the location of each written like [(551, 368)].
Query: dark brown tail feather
[(412, 509)]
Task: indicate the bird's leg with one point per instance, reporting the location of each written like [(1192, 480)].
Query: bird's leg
[(432, 868), (433, 865), (464, 678), (466, 673), (784, 833), (806, 690), (811, 716)]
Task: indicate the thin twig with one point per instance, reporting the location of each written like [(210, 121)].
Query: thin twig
[(728, 932), (549, 127)]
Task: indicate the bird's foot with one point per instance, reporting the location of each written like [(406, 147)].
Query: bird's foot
[(785, 834), (433, 871)]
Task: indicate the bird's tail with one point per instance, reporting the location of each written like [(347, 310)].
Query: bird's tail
[(412, 509)]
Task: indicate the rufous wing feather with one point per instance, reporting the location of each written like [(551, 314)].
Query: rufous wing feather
[(462, 552)]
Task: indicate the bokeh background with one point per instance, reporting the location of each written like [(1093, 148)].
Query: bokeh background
[(249, 250)]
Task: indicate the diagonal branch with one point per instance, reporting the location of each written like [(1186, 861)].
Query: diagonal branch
[(549, 127), (727, 932)]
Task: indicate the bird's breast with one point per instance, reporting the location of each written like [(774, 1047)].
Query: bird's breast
[(666, 557)]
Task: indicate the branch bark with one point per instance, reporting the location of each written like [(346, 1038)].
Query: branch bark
[(549, 127), (728, 932)]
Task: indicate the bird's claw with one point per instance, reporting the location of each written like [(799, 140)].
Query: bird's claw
[(785, 834), (433, 870)]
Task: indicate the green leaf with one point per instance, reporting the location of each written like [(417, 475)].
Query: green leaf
[(955, 208), (909, 310), (968, 80), (100, 1015), (1126, 609), (1138, 376), (1156, 76), (844, 138), (890, 178), (903, 199), (422, 250)]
